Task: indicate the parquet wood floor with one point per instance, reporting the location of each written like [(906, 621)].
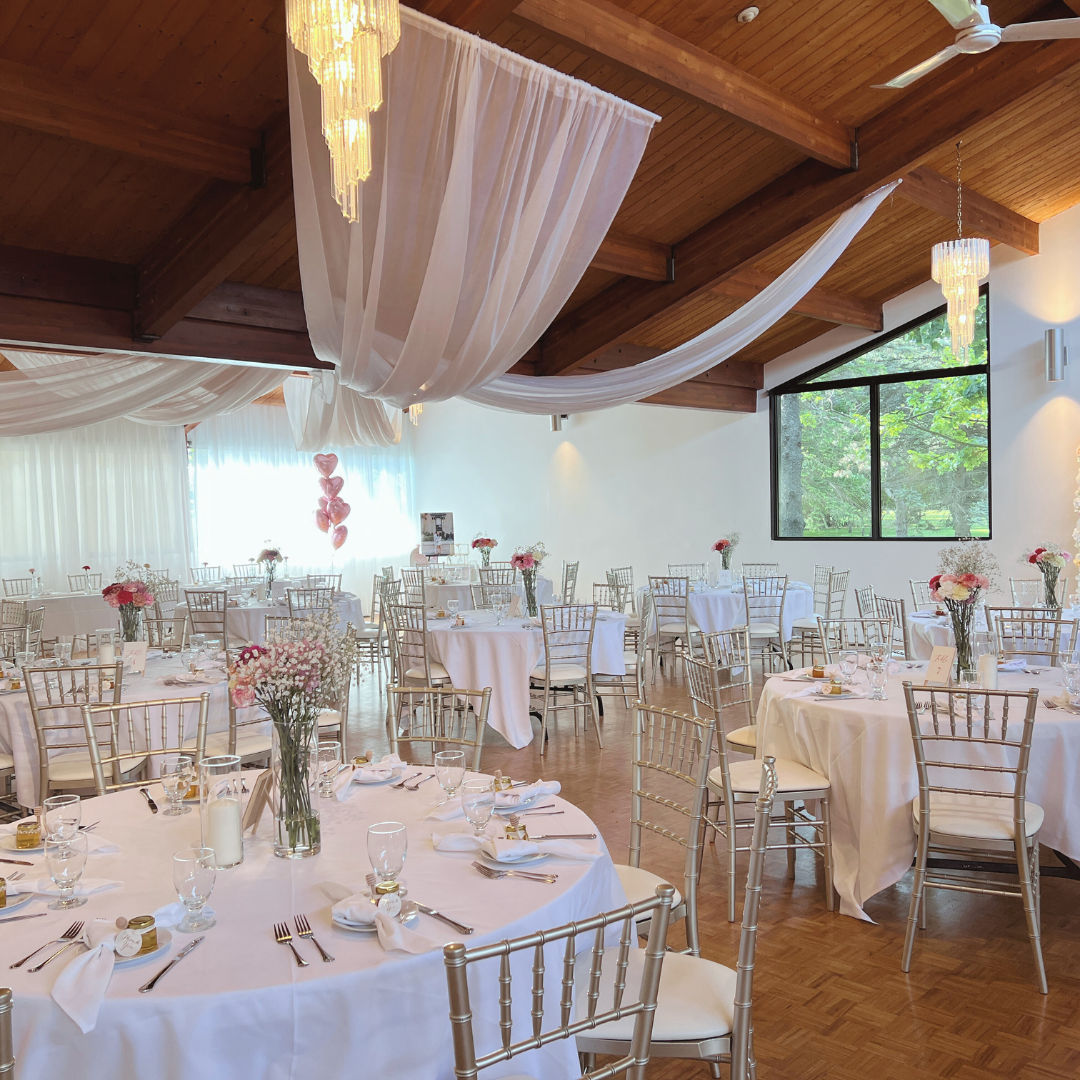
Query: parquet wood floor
[(830, 1000)]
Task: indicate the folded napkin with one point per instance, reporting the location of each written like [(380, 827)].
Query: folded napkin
[(811, 690), (86, 887), (80, 988), (340, 784), (356, 907), (188, 679), (507, 800), (509, 851), (95, 845), (376, 772), (1012, 665)]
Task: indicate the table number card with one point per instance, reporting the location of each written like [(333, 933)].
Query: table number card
[(939, 668), (135, 657), (514, 611), (257, 802)]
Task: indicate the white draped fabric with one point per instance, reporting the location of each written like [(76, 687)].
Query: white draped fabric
[(325, 414), (584, 393), (496, 180), (51, 391)]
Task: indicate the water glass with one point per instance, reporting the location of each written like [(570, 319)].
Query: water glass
[(452, 607), (177, 773), (198, 647), (849, 664), (969, 678), (387, 846), (62, 652), (1072, 684), (66, 860), (23, 658), (194, 874), (329, 763), (878, 675), (878, 650), (450, 770), (478, 802), (61, 816)]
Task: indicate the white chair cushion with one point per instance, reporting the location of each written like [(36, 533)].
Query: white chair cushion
[(640, 885), (630, 660), (372, 632), (764, 629), (744, 736), (977, 817), (75, 768), (678, 628), (696, 999), (805, 624), (248, 744), (790, 776), (437, 672), (329, 718), (632, 620), (560, 673)]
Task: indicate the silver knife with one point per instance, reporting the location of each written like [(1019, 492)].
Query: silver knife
[(16, 918), (149, 802), (147, 987), (445, 918), (566, 836)]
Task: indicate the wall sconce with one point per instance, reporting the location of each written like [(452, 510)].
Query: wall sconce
[(1057, 354), (556, 421)]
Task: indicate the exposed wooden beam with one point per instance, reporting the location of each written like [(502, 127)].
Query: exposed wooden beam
[(67, 278), (76, 109), (226, 225), (982, 216), (253, 305), (704, 395), (634, 256), (900, 138), (634, 44), (819, 303), (476, 16)]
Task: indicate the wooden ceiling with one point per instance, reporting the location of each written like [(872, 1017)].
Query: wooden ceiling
[(146, 192)]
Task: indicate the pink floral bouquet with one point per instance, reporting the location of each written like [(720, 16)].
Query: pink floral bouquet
[(1049, 561), (958, 588), (122, 593), (726, 548), (484, 543), (269, 558), (523, 561)]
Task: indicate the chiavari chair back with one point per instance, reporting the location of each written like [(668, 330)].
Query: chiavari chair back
[(760, 569), (503, 577), (500, 564), (920, 594), (207, 575), (730, 654), (84, 582), (1027, 592), (414, 664), (248, 571), (567, 666), (624, 966), (838, 587), (122, 739), (12, 640), (14, 612), (695, 571), (161, 629), (334, 716), (167, 595), (1033, 632), (569, 581), (822, 582), (412, 581), (671, 622), (35, 623), (972, 749), (208, 613), (282, 628), (840, 635), (18, 586), (899, 639), (765, 598), (635, 659), (441, 718), (866, 601), (603, 596), (303, 601), (622, 577), (325, 581)]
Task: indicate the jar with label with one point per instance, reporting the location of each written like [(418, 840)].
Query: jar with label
[(138, 937)]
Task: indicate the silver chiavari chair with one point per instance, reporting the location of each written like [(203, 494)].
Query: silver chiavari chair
[(1038, 633), (334, 715), (621, 583), (7, 1042), (920, 594), (439, 717), (498, 576), (866, 601), (84, 582), (569, 581), (695, 571), (482, 599), (325, 581), (671, 622), (567, 666), (247, 736), (1028, 592), (765, 598), (729, 652), (830, 595), (704, 1011), (18, 586), (899, 636), (304, 601), (760, 569), (208, 614), (840, 635), (972, 749), (35, 623), (12, 641), (669, 795), (14, 612), (415, 665), (578, 1012), (207, 575), (412, 583), (161, 629), (632, 685), (369, 637), (603, 597), (282, 628), (134, 733), (248, 571), (734, 783)]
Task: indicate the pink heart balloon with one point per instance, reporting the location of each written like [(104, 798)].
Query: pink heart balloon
[(338, 510), (326, 463), (339, 536), (322, 520), (322, 502), (331, 485)]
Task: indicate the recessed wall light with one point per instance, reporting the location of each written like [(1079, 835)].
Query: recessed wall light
[(748, 15)]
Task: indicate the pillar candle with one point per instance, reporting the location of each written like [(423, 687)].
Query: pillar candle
[(223, 831), (106, 652), (988, 672)]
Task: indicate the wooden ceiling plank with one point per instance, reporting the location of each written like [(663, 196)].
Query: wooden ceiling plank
[(75, 109), (476, 16), (982, 216), (635, 256), (642, 47), (66, 278)]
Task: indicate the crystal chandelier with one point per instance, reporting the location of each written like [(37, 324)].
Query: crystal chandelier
[(415, 410), (344, 41), (959, 266)]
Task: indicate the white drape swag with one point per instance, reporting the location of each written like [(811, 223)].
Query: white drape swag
[(496, 180), (51, 392), (604, 390), (323, 413)]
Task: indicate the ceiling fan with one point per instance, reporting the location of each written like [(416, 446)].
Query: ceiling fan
[(977, 34)]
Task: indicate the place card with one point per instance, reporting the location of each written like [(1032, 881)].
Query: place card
[(939, 668), (257, 801), (514, 611), (135, 657)]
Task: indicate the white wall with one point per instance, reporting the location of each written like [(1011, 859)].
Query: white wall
[(644, 485)]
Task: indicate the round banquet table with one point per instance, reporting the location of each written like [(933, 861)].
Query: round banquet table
[(925, 630), (68, 614), (864, 748), (483, 654), (248, 620), (438, 596), (239, 1006), (715, 610), (19, 739)]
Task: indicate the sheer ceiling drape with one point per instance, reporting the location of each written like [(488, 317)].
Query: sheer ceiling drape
[(323, 414)]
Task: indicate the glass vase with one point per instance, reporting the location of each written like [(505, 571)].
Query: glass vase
[(1050, 580), (485, 556), (725, 559), (131, 622), (963, 620), (294, 793), (529, 578), (220, 816)]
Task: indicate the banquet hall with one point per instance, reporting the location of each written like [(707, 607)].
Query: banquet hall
[(539, 539)]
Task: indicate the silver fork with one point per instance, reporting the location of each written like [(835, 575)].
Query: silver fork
[(411, 776), (281, 932), (430, 776), (490, 872), (76, 939), (303, 930), (73, 931)]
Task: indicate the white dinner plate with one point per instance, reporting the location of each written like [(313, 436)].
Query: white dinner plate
[(836, 697), (164, 940), (408, 915), (15, 901), (520, 806), (809, 678), (510, 864), (8, 841), (375, 783)]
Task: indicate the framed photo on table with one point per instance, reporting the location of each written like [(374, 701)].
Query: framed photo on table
[(437, 534)]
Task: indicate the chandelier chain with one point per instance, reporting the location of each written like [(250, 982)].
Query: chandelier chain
[(959, 197)]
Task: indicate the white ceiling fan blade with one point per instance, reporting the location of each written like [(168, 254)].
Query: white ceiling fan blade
[(959, 13), (919, 70), (1042, 31)]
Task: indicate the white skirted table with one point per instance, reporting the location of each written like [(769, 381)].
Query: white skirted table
[(68, 614), (248, 620), (864, 748), (925, 630), (713, 610), (239, 1006)]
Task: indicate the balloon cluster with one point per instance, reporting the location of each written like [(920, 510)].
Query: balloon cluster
[(333, 510)]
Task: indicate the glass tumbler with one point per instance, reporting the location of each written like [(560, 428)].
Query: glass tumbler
[(194, 874), (450, 770), (61, 816), (329, 762), (66, 860), (177, 772), (849, 664), (478, 803), (878, 675), (387, 846)]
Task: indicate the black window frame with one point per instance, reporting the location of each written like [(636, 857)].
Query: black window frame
[(802, 384)]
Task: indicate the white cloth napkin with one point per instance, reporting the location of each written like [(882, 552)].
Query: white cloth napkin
[(355, 907), (509, 851), (376, 772), (811, 690), (340, 785), (86, 887), (508, 800), (80, 988), (1012, 665), (188, 679)]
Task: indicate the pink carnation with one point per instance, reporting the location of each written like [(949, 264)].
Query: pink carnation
[(721, 545), (523, 561), (243, 696)]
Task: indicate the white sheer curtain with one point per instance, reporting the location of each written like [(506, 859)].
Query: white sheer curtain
[(53, 391), (496, 180), (96, 496), (250, 485), (323, 414)]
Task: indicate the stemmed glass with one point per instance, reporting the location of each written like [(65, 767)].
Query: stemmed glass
[(66, 860), (878, 675), (62, 816), (387, 846), (177, 772), (194, 875), (452, 607), (198, 647), (849, 664), (450, 770), (478, 802), (1072, 684), (878, 650), (329, 761)]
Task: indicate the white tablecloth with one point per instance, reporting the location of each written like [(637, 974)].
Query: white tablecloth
[(714, 610), (248, 621), (68, 614), (864, 748), (438, 596), (239, 1007), (927, 630), (18, 737), (502, 657)]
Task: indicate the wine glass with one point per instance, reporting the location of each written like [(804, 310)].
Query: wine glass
[(194, 874), (66, 860), (329, 760), (849, 664), (878, 675), (198, 647), (62, 816), (450, 770), (1072, 684), (387, 846), (878, 650), (177, 772), (478, 802)]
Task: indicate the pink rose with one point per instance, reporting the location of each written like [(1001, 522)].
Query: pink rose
[(243, 697)]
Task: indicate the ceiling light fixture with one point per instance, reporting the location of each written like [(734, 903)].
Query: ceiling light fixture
[(415, 410), (748, 15)]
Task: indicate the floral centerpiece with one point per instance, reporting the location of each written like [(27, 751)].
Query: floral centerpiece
[(294, 676), (1049, 561), (528, 560), (130, 597), (967, 573), (726, 547), (484, 544), (268, 559)]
